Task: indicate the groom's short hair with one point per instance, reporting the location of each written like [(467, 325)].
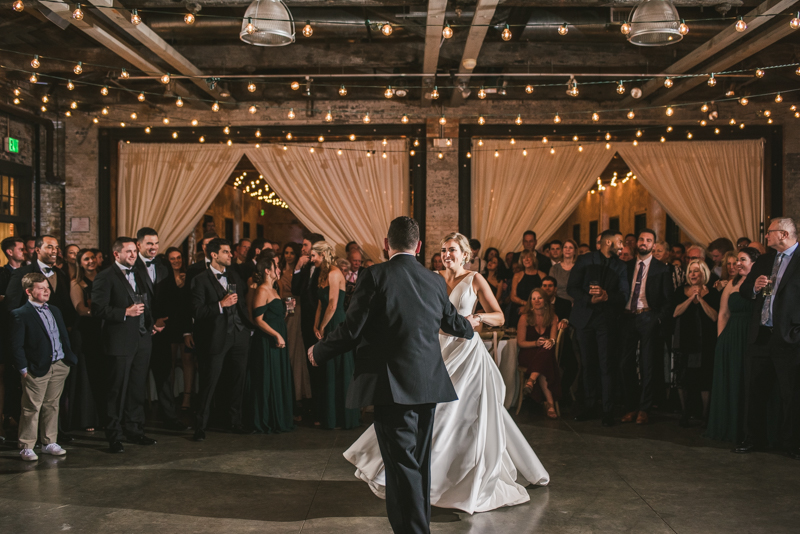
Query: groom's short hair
[(403, 234)]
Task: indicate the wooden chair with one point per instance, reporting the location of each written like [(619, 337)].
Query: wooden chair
[(522, 370)]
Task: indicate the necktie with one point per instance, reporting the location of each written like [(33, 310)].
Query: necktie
[(222, 275), (637, 288), (766, 310)]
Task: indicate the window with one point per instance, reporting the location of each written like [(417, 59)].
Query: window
[(613, 224), (593, 232), (259, 230), (673, 233), (639, 222), (576, 233), (246, 230), (15, 200), (229, 229)]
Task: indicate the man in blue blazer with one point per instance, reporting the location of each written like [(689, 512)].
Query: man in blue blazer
[(41, 352)]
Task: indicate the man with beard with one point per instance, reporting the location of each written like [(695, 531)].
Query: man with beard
[(648, 307)]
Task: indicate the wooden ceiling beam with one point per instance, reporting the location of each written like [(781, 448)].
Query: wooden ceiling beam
[(433, 42), (484, 12)]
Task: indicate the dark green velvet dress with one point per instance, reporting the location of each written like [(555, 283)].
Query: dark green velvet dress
[(336, 375), (269, 375)]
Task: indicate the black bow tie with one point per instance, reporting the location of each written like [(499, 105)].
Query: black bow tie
[(128, 272), (220, 275), (47, 270), (149, 263)]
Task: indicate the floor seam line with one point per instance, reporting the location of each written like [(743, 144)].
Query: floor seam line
[(319, 484)]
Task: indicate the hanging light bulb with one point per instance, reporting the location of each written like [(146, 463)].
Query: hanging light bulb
[(342, 90), (18, 6), (387, 29), (252, 110), (741, 126), (669, 129), (308, 31), (608, 136), (70, 85), (388, 93), (140, 98), (580, 148), (174, 135), (506, 33), (481, 93), (732, 122), (44, 109), (778, 98), (480, 142), (625, 28), (366, 118), (135, 18), (689, 135), (663, 139), (289, 136), (496, 154), (518, 120), (95, 120), (704, 108), (147, 129), (447, 31), (524, 151), (712, 81), (165, 78), (442, 120), (34, 78), (78, 68), (703, 122), (608, 146), (435, 92), (258, 133), (45, 99), (104, 111), (215, 106), (469, 155), (767, 113), (620, 88), (741, 25), (481, 120), (595, 117), (556, 119), (683, 29), (104, 90), (328, 116), (639, 133), (73, 105), (744, 101), (291, 114), (321, 139), (311, 149), (188, 18), (404, 119), (635, 142), (251, 87), (769, 121), (573, 89), (562, 30), (250, 28), (794, 23), (78, 13), (552, 150), (669, 111), (35, 62), (529, 89), (165, 120), (229, 142), (631, 114), (668, 83), (760, 73), (353, 138), (513, 141)]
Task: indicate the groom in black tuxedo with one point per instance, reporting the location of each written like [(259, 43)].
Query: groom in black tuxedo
[(393, 325)]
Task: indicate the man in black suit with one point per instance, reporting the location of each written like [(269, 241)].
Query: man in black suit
[(154, 273), (399, 367), (248, 267), (774, 337), (14, 250), (120, 300), (44, 263), (529, 243), (200, 266), (304, 286), (599, 286), (649, 305), (221, 332)]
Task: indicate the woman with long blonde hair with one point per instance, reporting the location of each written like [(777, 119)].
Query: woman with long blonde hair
[(336, 374), (536, 338)]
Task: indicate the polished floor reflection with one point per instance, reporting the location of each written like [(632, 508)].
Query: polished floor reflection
[(658, 478)]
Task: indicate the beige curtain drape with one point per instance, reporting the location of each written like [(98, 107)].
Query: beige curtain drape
[(169, 186), (710, 188), (347, 197), (513, 193)]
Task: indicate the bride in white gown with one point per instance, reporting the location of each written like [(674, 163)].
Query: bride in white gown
[(478, 451)]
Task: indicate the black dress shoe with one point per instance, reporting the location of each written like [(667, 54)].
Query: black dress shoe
[(199, 435), (142, 440), (745, 447), (65, 438), (176, 425), (116, 447), (238, 429), (608, 419)]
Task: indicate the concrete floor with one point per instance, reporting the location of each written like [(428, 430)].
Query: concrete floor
[(658, 478)]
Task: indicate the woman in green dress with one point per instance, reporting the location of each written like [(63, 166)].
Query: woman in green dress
[(269, 373), (336, 374), (727, 393)]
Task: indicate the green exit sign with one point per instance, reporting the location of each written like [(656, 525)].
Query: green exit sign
[(262, 213), (12, 145)]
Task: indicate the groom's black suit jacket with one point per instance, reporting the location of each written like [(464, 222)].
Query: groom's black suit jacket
[(393, 324)]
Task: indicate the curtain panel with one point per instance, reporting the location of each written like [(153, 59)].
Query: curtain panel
[(347, 197), (710, 189), (513, 193), (170, 186)]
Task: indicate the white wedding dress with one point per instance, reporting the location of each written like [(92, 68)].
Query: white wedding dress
[(477, 448)]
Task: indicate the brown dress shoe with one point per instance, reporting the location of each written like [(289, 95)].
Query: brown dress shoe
[(629, 417), (642, 419)]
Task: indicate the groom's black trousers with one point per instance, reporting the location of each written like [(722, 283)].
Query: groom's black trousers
[(404, 436)]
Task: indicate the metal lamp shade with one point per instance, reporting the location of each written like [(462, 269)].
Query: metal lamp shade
[(655, 23), (273, 23)]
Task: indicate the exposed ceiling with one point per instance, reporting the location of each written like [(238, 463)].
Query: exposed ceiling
[(344, 49)]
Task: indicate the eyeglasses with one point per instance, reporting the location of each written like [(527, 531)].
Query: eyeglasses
[(768, 231)]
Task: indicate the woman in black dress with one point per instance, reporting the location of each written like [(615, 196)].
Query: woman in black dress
[(87, 380), (525, 281), (493, 273), (695, 337), (178, 309)]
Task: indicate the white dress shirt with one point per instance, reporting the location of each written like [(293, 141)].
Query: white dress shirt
[(151, 270), (47, 270), (642, 290), (130, 277), (223, 281)]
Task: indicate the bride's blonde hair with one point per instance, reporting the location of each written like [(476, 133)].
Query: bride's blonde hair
[(463, 244), (328, 255)]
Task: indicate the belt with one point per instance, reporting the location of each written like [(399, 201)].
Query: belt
[(637, 312)]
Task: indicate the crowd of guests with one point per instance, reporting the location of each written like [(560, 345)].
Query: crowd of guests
[(635, 322), (629, 321)]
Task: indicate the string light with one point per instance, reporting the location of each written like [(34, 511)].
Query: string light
[(404, 119), (447, 31), (620, 88), (70, 85), (165, 120), (760, 73), (608, 146), (506, 33), (387, 29), (689, 135), (635, 142), (496, 154), (250, 28), (529, 89), (73, 105), (595, 117), (68, 113), (104, 91), (481, 120), (544, 140), (285, 148), (95, 120), (35, 62), (174, 135), (639, 133), (135, 18), (104, 111), (44, 109), (311, 149), (469, 154), (258, 133), (481, 93), (388, 93), (435, 92), (683, 29), (289, 136), (741, 126), (251, 87), (797, 71), (18, 6), (295, 86), (366, 118), (229, 142), (732, 122), (147, 130), (34, 78), (342, 90), (668, 83), (78, 13), (442, 120), (562, 30), (215, 106), (663, 139), (712, 81), (353, 138), (631, 114), (573, 88), (513, 141), (518, 120), (580, 148), (188, 18), (743, 101), (140, 97), (524, 151), (741, 25), (308, 31), (480, 142), (703, 123), (252, 110), (794, 23), (669, 129), (704, 108), (194, 122), (670, 111), (165, 78), (339, 152), (716, 130), (552, 150), (575, 138), (321, 139), (45, 99), (625, 28), (328, 116), (778, 98), (608, 136), (556, 119)]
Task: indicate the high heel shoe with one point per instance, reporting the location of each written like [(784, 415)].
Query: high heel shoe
[(550, 410)]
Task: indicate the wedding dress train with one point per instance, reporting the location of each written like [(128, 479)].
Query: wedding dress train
[(477, 449)]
